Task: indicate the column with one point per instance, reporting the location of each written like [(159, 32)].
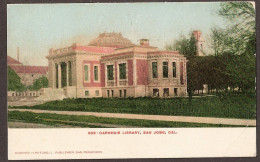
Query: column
[(67, 73), (54, 75), (71, 70), (59, 75)]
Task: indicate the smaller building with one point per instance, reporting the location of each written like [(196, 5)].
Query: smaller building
[(28, 74)]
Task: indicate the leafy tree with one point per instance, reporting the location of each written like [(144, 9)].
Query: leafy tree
[(185, 46), (241, 43), (241, 28), (218, 40), (42, 82), (14, 81)]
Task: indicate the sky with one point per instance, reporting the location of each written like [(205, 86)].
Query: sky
[(35, 28)]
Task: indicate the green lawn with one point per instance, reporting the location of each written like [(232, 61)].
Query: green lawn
[(224, 106), (83, 121)]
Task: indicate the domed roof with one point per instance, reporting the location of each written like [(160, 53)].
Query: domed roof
[(111, 40)]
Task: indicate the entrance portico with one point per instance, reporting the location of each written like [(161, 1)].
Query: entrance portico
[(63, 74)]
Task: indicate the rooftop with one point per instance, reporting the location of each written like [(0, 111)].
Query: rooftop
[(12, 61), (111, 40), (94, 49), (30, 69)]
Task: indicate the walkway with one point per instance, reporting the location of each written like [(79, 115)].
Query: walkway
[(190, 119)]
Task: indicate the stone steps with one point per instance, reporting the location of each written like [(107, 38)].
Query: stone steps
[(51, 94)]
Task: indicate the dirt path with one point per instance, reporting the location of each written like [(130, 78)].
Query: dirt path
[(191, 119)]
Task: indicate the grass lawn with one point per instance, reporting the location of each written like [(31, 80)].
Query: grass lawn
[(84, 121), (223, 106)]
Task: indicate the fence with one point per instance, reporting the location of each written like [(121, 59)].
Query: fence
[(24, 94)]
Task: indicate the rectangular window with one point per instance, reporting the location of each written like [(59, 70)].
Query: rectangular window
[(174, 69), (156, 92), (181, 71), (175, 91), (112, 93), (86, 93), (122, 71), (96, 73), (154, 69), (110, 73), (120, 93), (97, 92), (124, 92), (165, 92), (108, 93), (86, 73), (165, 69)]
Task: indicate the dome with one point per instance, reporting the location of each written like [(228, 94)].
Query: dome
[(111, 40)]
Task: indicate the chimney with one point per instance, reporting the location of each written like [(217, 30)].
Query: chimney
[(144, 42), (18, 54)]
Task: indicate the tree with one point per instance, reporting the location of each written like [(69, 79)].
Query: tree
[(218, 40), (14, 81), (241, 26), (41, 82), (241, 43), (185, 46)]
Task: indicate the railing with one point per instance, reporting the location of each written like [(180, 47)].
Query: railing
[(123, 82), (62, 50), (24, 94), (110, 83)]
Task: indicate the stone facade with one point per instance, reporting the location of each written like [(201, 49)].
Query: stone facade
[(28, 74), (107, 70)]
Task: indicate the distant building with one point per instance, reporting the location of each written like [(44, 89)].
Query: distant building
[(112, 66), (28, 74)]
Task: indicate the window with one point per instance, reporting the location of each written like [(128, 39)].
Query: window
[(156, 92), (97, 92), (110, 73), (124, 92), (96, 73), (86, 78), (86, 93), (70, 74), (154, 69), (165, 69), (165, 92), (181, 71), (120, 93), (112, 93), (108, 93), (122, 71), (175, 91), (174, 69)]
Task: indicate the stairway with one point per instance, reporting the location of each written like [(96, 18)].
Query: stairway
[(50, 94)]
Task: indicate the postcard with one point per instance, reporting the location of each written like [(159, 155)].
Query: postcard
[(131, 80)]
